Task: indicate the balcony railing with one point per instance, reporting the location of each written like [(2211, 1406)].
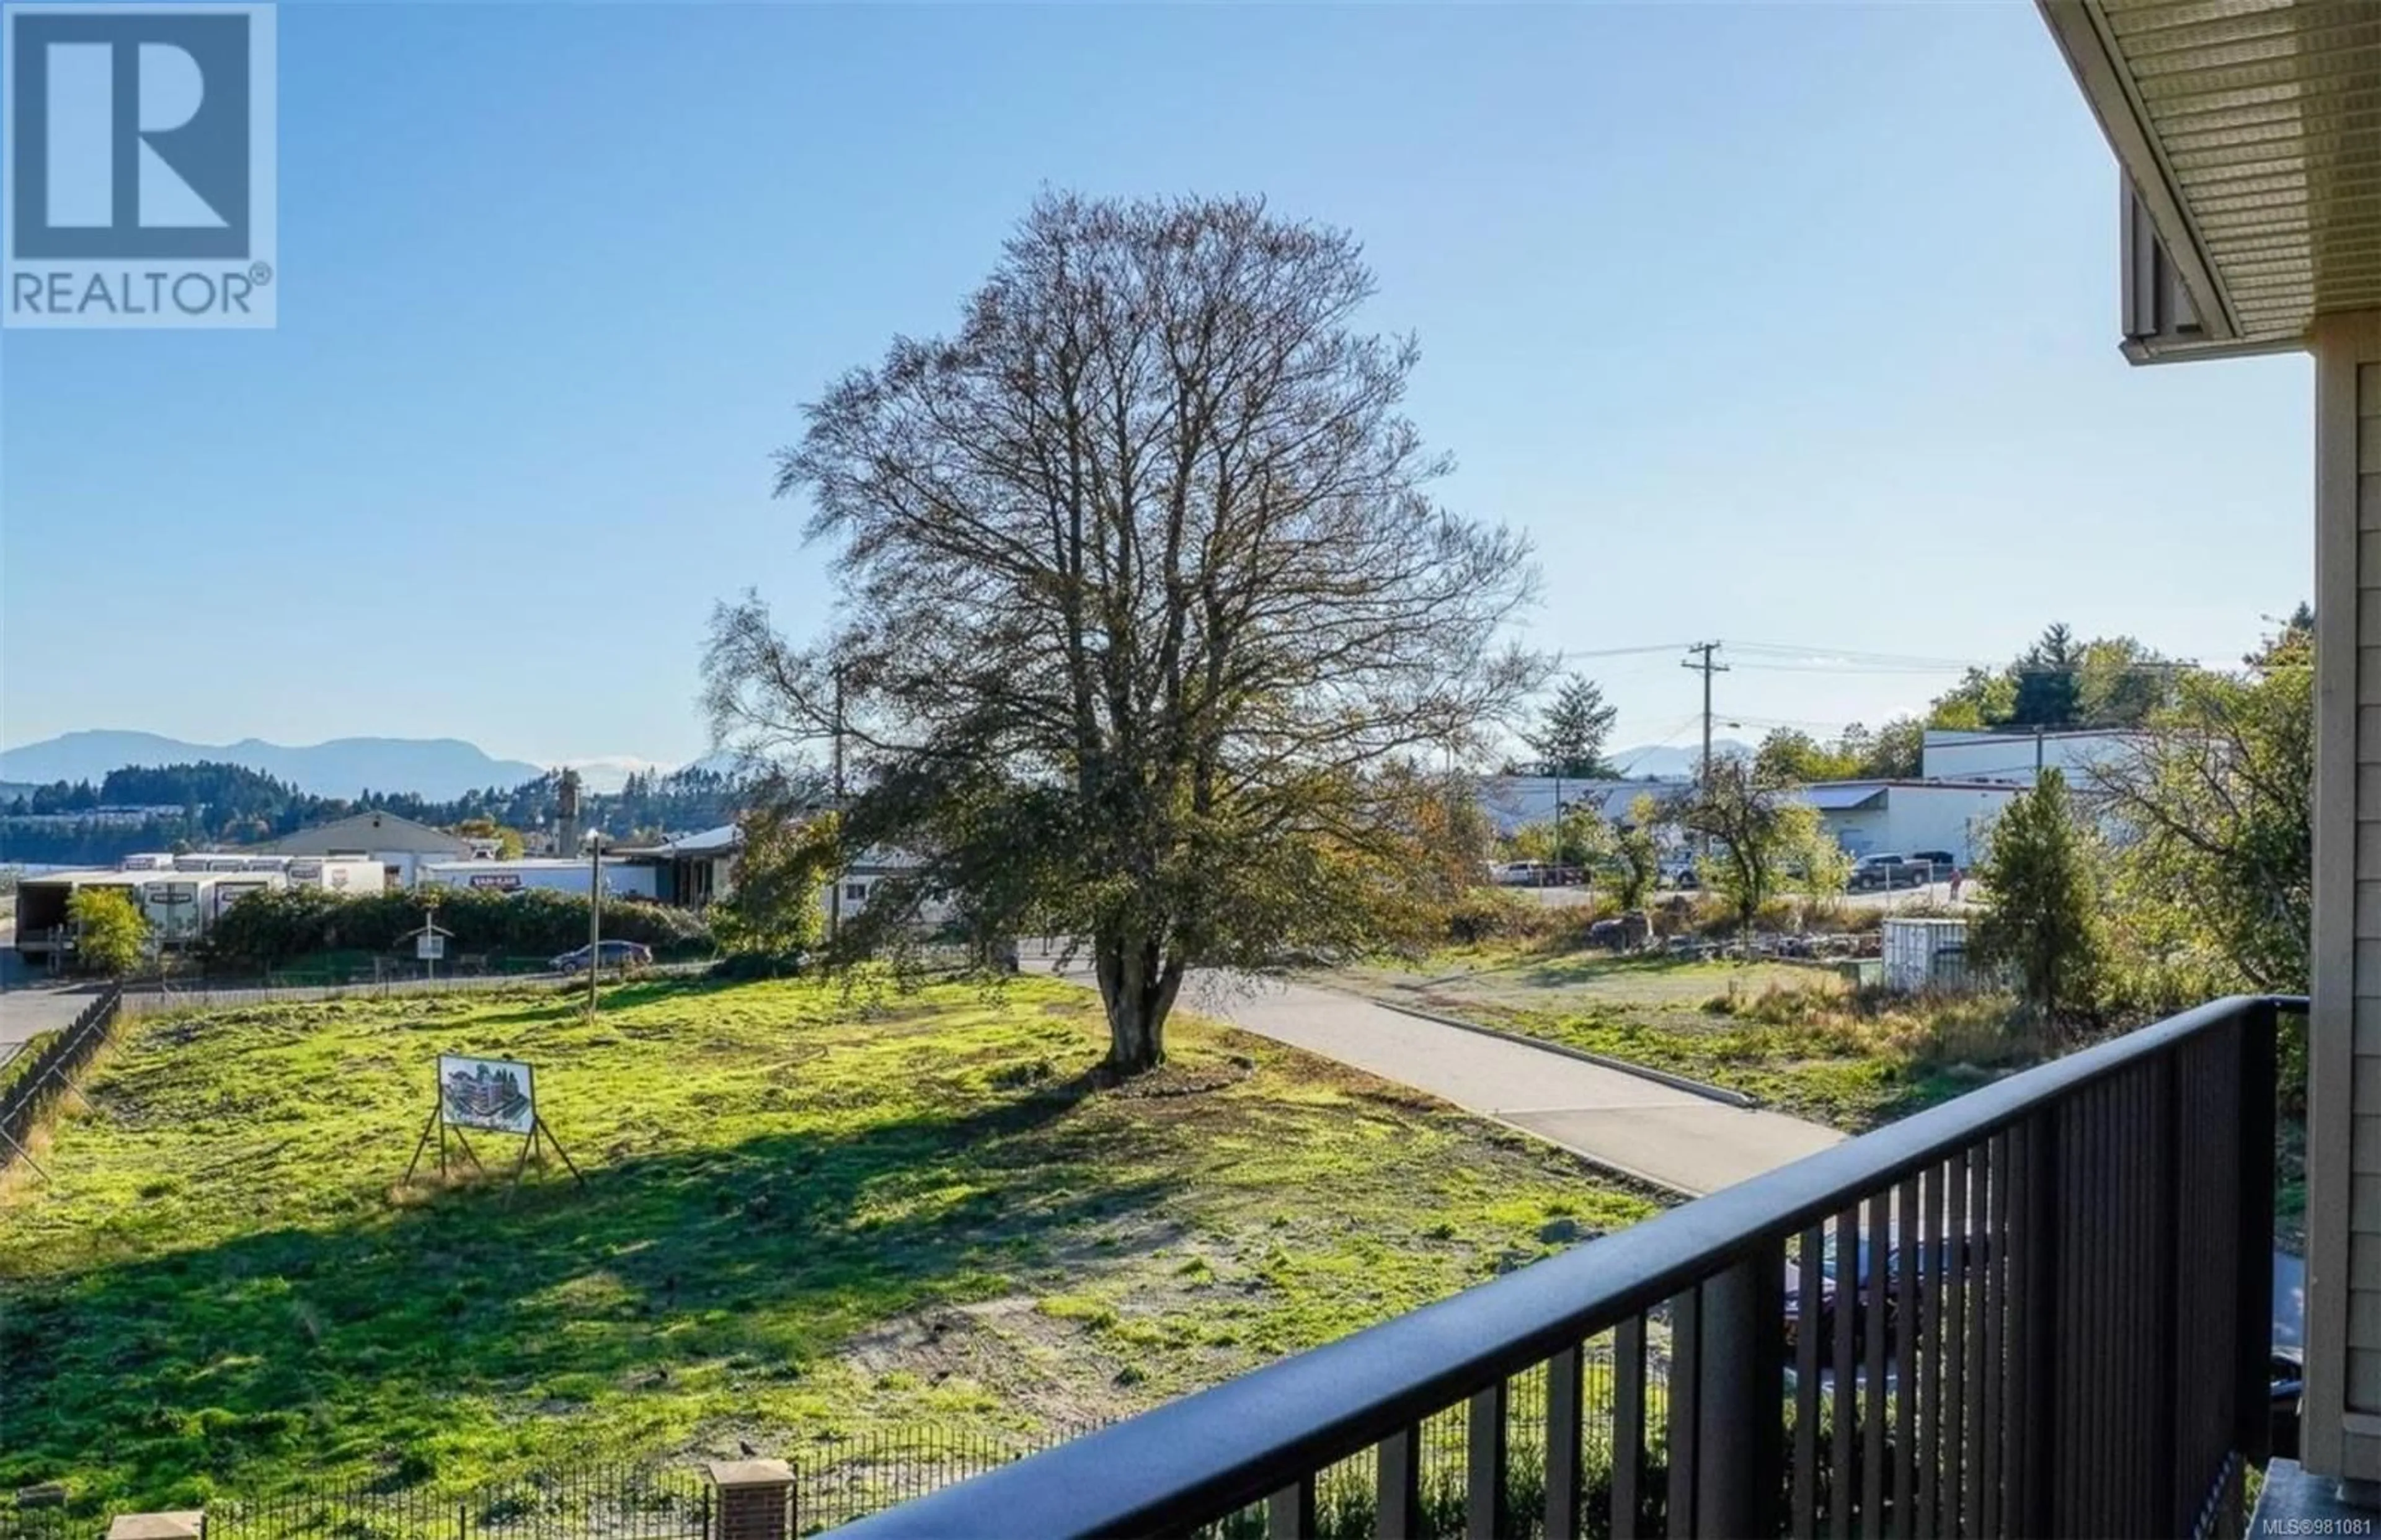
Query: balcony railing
[(2044, 1309)]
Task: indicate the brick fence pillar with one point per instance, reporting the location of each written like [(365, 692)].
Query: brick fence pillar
[(187, 1525), (755, 1500)]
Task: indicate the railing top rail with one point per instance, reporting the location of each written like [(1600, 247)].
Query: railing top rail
[(1183, 1462)]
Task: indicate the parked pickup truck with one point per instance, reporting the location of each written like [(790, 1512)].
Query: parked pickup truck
[(1886, 871)]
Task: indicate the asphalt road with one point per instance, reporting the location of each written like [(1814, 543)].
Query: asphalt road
[(1675, 1139)]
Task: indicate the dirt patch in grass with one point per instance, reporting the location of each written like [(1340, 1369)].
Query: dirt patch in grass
[(807, 1214)]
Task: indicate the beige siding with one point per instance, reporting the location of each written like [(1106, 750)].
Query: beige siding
[(2343, 1434), (2343, 1426), (2363, 1301)]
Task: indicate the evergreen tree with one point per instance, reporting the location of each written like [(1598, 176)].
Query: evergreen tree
[(1571, 738), (2049, 681), (2039, 871)]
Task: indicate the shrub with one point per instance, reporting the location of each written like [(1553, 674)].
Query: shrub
[(110, 933), (1485, 914), (266, 929)]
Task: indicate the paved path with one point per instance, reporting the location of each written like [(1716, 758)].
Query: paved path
[(30, 1003), (1675, 1138)]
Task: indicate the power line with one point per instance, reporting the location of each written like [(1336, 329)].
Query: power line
[(1625, 651)]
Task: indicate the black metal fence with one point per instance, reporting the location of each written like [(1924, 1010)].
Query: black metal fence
[(617, 1503), (33, 1087), (2044, 1309)]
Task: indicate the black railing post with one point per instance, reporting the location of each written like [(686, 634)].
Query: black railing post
[(2260, 1048), (2167, 1429), (1741, 1374), (1485, 1511), (1564, 1399), (1290, 1512), (2036, 1512), (1398, 1486)]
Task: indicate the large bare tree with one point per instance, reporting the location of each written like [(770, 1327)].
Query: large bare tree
[(1148, 619)]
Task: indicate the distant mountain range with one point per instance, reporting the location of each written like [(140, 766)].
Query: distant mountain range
[(1652, 758), (438, 768)]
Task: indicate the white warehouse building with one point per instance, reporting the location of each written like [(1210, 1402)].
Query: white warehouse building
[(622, 879), (2012, 754), (1902, 817)]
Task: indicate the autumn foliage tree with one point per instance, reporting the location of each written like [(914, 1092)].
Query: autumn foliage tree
[(1143, 590), (1760, 837), (110, 934)]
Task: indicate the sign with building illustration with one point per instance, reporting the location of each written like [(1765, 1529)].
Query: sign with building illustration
[(495, 1094)]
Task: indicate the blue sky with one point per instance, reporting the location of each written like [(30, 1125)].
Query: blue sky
[(1777, 324)]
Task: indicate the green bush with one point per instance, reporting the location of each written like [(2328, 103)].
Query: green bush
[(110, 933), (267, 930)]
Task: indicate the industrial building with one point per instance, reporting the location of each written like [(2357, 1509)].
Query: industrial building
[(622, 878), (692, 870), (1901, 817), (181, 896), (2017, 754), (400, 845)]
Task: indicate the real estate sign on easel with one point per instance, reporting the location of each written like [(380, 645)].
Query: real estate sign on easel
[(489, 1095)]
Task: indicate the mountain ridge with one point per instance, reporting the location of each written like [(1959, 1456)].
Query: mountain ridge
[(438, 768)]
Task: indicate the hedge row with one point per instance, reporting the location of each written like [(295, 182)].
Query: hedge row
[(268, 929)]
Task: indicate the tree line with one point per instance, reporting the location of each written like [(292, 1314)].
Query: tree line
[(212, 803)]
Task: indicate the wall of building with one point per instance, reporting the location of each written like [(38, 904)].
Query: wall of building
[(2342, 1434), (2010, 756), (1943, 818), (621, 879), (1860, 831)]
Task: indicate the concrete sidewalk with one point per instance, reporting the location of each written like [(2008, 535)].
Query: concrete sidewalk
[(1675, 1139)]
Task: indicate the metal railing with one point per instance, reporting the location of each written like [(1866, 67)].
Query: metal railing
[(616, 1502), (33, 1087), (2044, 1309)]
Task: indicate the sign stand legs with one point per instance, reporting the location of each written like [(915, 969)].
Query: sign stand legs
[(422, 1144), (538, 1127)]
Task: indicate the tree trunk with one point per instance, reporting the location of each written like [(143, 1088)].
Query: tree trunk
[(1138, 984)]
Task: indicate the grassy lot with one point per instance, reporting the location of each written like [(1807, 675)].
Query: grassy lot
[(807, 1211), (1794, 1036)]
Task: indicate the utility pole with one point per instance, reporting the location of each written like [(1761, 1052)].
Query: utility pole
[(1705, 665), (594, 916), (834, 883)]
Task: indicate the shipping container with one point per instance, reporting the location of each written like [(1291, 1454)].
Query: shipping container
[(1923, 955)]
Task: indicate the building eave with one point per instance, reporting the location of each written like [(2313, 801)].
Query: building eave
[(2250, 145), (2085, 38)]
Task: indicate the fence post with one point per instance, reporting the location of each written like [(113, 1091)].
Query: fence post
[(755, 1498), (185, 1524)]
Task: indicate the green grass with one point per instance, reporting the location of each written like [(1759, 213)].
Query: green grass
[(807, 1212), (20, 1063), (1794, 1036)]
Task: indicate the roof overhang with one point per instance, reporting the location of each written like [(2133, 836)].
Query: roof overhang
[(2249, 132)]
